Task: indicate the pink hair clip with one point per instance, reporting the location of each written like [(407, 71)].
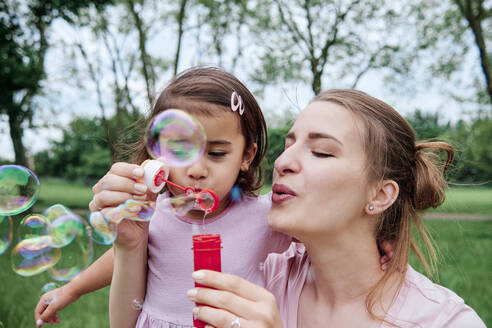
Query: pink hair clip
[(237, 103)]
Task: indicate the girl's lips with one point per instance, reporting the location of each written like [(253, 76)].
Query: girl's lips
[(281, 193)]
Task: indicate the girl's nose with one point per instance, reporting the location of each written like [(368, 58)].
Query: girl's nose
[(198, 171), (287, 162)]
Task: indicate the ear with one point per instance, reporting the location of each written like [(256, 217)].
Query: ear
[(386, 194), (248, 156)]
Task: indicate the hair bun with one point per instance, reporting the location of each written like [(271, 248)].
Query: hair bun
[(429, 173)]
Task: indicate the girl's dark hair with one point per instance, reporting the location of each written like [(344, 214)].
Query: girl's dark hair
[(393, 154), (204, 91)]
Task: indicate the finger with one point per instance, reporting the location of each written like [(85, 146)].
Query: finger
[(223, 300), (231, 283), (387, 247), (40, 307), (49, 314), (132, 171), (108, 199), (116, 182), (217, 317)]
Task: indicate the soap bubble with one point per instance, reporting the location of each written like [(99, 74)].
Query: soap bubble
[(55, 211), (33, 225), (34, 255), (137, 304), (131, 210), (103, 231), (177, 137), (19, 189), (104, 226), (64, 228), (76, 256), (51, 297), (5, 233)]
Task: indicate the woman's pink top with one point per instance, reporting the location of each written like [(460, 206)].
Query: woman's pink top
[(420, 303)]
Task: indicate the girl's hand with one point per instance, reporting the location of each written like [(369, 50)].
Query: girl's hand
[(386, 248), (51, 302), (233, 299), (118, 185)]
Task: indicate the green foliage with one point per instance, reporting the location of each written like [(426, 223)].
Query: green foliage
[(83, 152), (427, 125), (474, 149), (276, 142)]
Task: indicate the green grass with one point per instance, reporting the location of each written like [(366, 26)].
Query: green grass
[(74, 195), (465, 264), (467, 200)]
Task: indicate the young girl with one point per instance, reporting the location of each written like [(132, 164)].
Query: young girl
[(236, 142)]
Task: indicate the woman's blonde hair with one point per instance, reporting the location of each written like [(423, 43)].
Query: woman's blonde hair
[(393, 154)]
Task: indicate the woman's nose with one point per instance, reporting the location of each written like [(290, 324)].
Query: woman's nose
[(287, 162)]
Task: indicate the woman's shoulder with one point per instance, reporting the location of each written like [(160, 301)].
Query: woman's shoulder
[(283, 269), (426, 304)]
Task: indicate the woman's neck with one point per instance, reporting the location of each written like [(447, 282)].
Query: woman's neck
[(344, 268)]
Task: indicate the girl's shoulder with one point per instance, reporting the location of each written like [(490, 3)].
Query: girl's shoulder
[(426, 304), (257, 202)]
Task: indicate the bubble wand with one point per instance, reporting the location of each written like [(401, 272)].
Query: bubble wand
[(155, 177)]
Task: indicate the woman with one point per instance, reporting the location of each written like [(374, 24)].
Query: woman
[(351, 175)]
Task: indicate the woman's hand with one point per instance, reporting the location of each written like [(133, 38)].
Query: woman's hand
[(233, 298), (51, 302)]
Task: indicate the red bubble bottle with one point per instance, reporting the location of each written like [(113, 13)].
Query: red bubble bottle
[(206, 252)]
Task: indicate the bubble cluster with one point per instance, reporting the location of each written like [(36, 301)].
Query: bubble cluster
[(5, 233), (177, 137), (57, 241), (19, 189)]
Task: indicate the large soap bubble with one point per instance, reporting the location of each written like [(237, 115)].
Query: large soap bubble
[(177, 137), (77, 254), (19, 189), (34, 255)]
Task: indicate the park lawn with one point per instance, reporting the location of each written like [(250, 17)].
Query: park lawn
[(465, 268), (72, 194), (467, 200)]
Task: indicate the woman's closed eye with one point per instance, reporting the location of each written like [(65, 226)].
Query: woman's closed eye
[(321, 154)]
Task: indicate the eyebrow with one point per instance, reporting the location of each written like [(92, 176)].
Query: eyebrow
[(315, 135), (219, 142)]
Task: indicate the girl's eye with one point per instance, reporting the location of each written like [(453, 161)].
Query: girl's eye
[(217, 153), (321, 155)]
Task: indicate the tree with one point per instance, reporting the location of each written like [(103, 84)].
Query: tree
[(449, 31), (476, 16), (23, 45), (427, 125), (329, 39)]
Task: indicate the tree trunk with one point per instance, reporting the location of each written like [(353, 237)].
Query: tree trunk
[(180, 18), (147, 69), (16, 136)]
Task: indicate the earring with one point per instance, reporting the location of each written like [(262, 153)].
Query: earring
[(371, 208)]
